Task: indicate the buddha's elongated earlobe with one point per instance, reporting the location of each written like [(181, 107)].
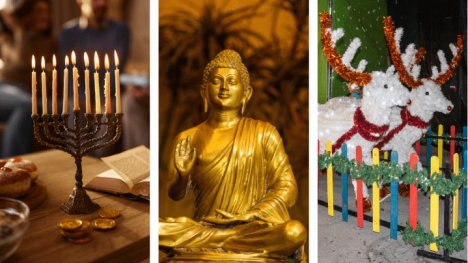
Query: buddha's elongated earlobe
[(206, 105), (243, 108)]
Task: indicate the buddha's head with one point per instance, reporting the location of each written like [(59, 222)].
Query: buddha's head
[(226, 84)]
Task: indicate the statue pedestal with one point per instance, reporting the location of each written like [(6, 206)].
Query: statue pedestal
[(202, 255)]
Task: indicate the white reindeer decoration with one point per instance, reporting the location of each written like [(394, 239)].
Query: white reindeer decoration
[(357, 122), (407, 125)]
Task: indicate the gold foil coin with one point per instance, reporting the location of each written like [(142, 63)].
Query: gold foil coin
[(68, 234), (109, 213), (84, 226), (69, 224), (85, 238), (103, 224)]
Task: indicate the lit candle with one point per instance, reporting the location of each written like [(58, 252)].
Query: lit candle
[(65, 87), (96, 84), (44, 88), (88, 98), (75, 83), (107, 86), (54, 86), (34, 98), (117, 83)]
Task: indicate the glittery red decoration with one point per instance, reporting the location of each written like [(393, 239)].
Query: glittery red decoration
[(363, 127), (356, 77), (407, 119)]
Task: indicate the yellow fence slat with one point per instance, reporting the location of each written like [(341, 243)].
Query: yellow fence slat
[(330, 182), (455, 198), (375, 196), (434, 218)]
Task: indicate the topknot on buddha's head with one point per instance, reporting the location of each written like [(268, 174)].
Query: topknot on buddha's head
[(227, 59)]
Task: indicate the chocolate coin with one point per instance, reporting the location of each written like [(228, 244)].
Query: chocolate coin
[(68, 234), (103, 224), (69, 224), (85, 238), (109, 213)]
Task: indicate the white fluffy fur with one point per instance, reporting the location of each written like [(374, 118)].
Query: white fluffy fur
[(336, 35), (350, 52), (454, 49), (335, 117), (423, 106), (398, 35)]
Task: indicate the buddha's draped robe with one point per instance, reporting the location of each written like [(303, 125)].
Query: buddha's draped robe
[(252, 173)]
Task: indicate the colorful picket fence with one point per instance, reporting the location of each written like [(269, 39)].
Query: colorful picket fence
[(435, 164)]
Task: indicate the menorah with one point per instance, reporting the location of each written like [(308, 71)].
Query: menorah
[(74, 142)]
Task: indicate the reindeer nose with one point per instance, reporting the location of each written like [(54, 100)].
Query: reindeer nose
[(409, 102), (449, 108)]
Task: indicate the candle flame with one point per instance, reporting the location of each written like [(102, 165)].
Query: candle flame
[(54, 61), (116, 59), (73, 58), (86, 60), (33, 62), (43, 63), (106, 62), (96, 61), (66, 61)]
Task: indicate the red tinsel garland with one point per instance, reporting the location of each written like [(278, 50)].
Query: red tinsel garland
[(363, 127), (334, 58), (405, 77), (407, 119)]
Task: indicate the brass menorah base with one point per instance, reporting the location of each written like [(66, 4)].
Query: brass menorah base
[(73, 141)]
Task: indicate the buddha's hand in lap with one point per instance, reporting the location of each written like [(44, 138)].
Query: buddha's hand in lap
[(229, 218), (184, 157)]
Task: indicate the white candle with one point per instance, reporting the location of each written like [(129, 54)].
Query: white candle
[(54, 87), (107, 86), (96, 84), (44, 88), (65, 87), (75, 83), (117, 83), (88, 98), (34, 98)]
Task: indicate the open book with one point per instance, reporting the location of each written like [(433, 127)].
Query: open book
[(130, 174)]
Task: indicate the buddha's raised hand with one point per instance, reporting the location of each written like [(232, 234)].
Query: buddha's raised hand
[(184, 157)]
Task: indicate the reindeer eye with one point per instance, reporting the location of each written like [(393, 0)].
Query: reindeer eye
[(427, 92), (385, 86)]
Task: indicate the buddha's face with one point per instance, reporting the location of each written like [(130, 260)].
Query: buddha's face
[(225, 90)]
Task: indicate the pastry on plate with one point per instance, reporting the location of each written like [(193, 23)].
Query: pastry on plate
[(14, 182), (26, 165)]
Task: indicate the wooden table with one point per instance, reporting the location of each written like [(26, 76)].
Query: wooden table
[(42, 242)]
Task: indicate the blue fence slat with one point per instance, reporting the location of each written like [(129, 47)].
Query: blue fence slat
[(394, 201), (429, 150), (344, 186)]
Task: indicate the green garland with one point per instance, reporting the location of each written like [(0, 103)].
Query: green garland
[(450, 242), (386, 173), (445, 141)]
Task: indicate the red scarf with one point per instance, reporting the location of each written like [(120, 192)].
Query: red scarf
[(407, 119), (364, 128)]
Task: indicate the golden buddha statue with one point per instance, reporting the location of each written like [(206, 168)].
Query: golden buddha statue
[(241, 178)]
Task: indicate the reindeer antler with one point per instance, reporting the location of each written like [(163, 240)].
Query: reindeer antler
[(393, 43), (441, 78), (412, 58), (342, 67)]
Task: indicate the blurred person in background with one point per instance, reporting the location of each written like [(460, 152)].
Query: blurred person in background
[(25, 31), (91, 32), (135, 106)]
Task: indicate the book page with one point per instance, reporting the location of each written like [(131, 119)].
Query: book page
[(132, 165)]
